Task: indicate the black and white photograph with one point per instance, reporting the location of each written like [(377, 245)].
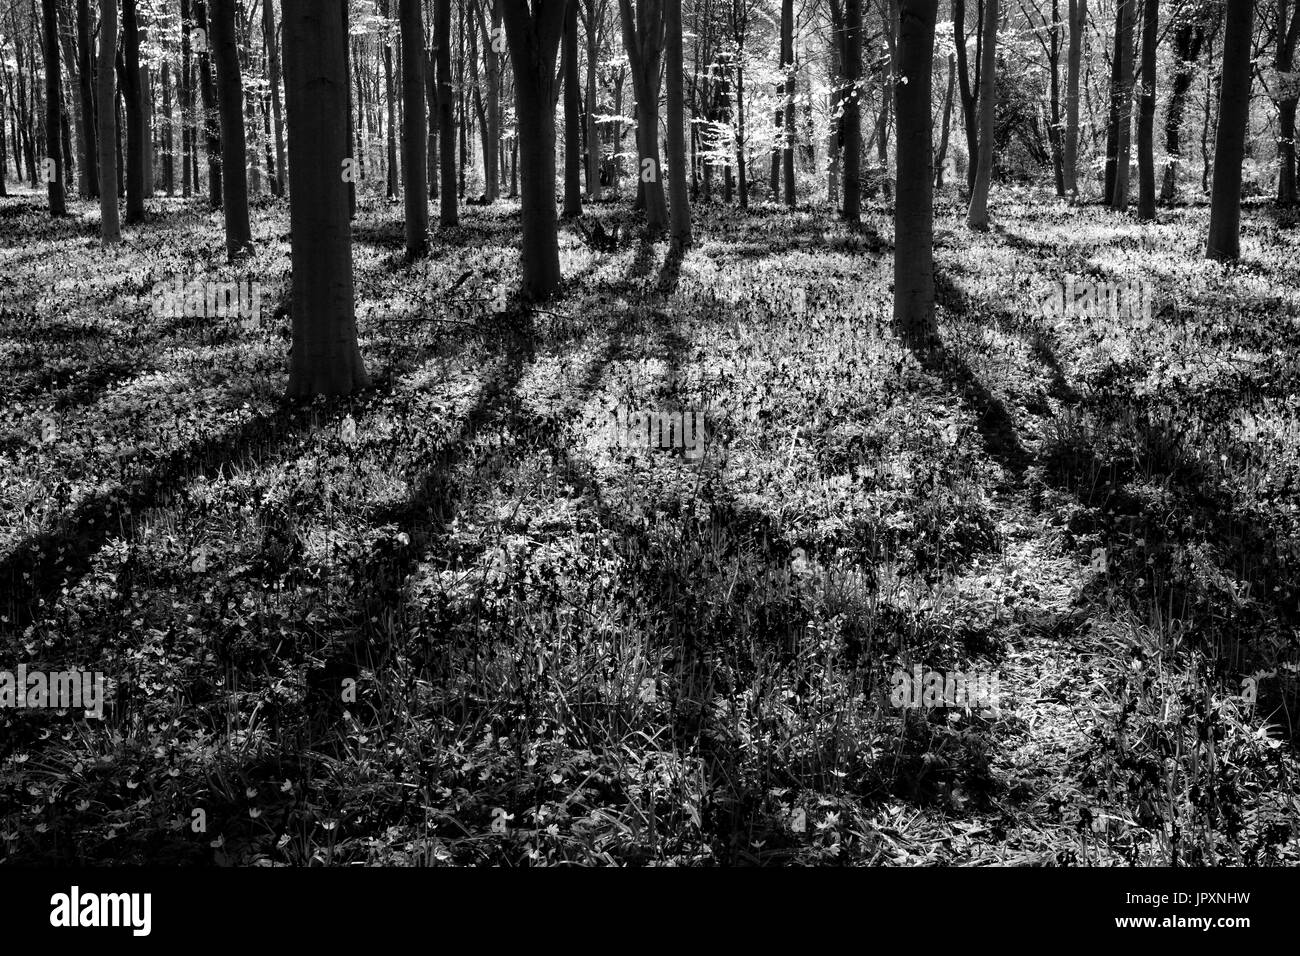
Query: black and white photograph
[(504, 435)]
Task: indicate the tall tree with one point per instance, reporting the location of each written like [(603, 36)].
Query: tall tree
[(680, 209), (86, 76), (414, 131), (189, 172), (572, 113), (1121, 108), (593, 17), (109, 229), (1147, 112), (1230, 141), (169, 135), (208, 94), (1189, 36), (128, 67), (534, 40), (325, 358), (914, 203), (53, 114), (643, 39), (978, 215), (788, 71), (390, 102), (1288, 32), (1078, 17), (272, 44), (230, 96), (969, 90), (448, 213), (851, 115)]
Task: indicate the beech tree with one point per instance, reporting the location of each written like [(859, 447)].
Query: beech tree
[(1078, 21), (680, 209), (53, 114), (109, 229), (914, 201), (534, 39), (325, 358), (1230, 142), (978, 215), (643, 39), (414, 130), (1147, 112), (230, 94)]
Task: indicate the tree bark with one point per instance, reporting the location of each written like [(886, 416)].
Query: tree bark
[(208, 93), (448, 212), (85, 76), (110, 231), (277, 114), (53, 114), (572, 111), (414, 130), (128, 65), (1125, 16), (788, 68), (851, 118), (230, 97), (1230, 142), (534, 40), (1078, 16), (325, 358), (978, 216), (914, 203), (1147, 113), (680, 209), (643, 38)]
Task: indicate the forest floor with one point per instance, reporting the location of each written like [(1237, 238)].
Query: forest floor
[(456, 619)]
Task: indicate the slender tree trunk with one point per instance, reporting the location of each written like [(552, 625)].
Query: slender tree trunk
[(208, 92), (851, 119), (110, 231), (914, 204), (448, 213), (85, 77), (594, 153), (277, 114), (680, 224), (354, 153), (1078, 16), (1230, 142), (390, 103), (133, 100), (1147, 113), (189, 175), (414, 132), (169, 134), (53, 119), (431, 93), (978, 216), (643, 38), (1288, 91), (970, 122), (1188, 39), (1126, 13), (230, 96), (742, 180), (941, 155), (788, 66), (572, 111)]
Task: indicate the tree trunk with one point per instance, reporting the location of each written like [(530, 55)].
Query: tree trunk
[(594, 152), (941, 155), (110, 231), (534, 39), (390, 103), (189, 175), (643, 39), (978, 216), (85, 76), (680, 226), (970, 122), (914, 204), (277, 115), (851, 118), (414, 131), (1188, 39), (208, 94), (788, 67), (572, 111), (1074, 59), (325, 358), (54, 171), (1125, 17), (169, 133), (230, 97), (448, 212), (1230, 141), (1289, 89), (1147, 113), (133, 100)]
